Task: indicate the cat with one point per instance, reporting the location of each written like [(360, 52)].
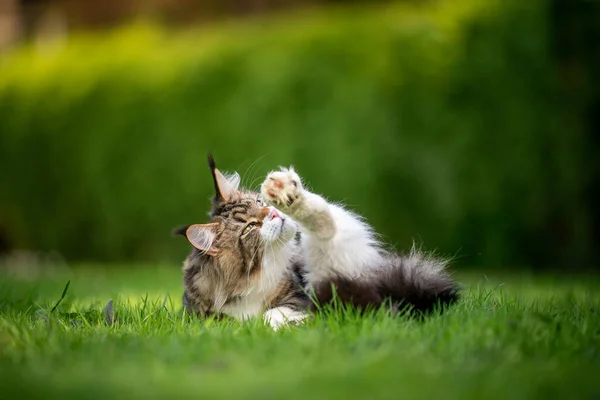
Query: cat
[(246, 261), (285, 251), (343, 258)]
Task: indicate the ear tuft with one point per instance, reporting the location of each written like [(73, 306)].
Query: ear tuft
[(211, 162), (202, 237), (180, 230)]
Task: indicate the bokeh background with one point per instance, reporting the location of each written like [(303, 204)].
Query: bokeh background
[(467, 125)]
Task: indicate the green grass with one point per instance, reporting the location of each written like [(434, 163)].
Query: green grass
[(512, 336)]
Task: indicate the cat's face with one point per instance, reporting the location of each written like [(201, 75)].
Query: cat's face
[(242, 233), (246, 228)]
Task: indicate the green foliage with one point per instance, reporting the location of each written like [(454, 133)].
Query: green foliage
[(520, 338), (439, 123)]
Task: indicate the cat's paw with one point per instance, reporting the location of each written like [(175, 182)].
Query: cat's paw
[(282, 189), (279, 317)]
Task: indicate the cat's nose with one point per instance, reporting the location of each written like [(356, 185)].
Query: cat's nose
[(275, 214)]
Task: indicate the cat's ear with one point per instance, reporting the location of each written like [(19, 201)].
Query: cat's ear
[(224, 185), (202, 237)]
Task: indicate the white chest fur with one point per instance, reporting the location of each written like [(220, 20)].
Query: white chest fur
[(253, 302)]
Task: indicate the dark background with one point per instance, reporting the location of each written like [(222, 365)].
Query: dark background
[(469, 126)]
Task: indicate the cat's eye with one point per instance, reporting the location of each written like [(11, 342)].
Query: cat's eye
[(260, 201), (249, 227)]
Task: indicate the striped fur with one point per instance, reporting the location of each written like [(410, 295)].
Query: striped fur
[(242, 274), (252, 259)]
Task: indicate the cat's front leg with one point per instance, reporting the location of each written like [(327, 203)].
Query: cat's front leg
[(283, 190), (282, 316)]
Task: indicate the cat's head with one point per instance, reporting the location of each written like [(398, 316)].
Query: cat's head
[(242, 231)]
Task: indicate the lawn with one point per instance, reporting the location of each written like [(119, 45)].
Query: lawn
[(512, 336)]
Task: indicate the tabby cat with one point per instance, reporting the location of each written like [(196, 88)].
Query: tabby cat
[(263, 253)]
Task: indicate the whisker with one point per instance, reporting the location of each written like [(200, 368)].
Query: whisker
[(252, 259), (254, 186), (271, 276), (250, 170)]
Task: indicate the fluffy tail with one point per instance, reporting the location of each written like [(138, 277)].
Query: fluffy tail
[(419, 280), (416, 280)]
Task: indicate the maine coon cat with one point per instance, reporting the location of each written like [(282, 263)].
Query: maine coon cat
[(263, 254), (245, 261)]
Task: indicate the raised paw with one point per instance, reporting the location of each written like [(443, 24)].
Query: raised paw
[(282, 189)]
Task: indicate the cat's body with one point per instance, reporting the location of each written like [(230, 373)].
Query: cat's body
[(342, 255), (253, 259)]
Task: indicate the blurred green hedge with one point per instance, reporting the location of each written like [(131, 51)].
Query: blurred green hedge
[(440, 123)]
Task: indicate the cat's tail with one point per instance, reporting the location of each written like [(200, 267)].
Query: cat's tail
[(417, 281)]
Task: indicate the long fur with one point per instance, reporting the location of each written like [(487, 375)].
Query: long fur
[(415, 281), (344, 259), (311, 246), (244, 261)]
